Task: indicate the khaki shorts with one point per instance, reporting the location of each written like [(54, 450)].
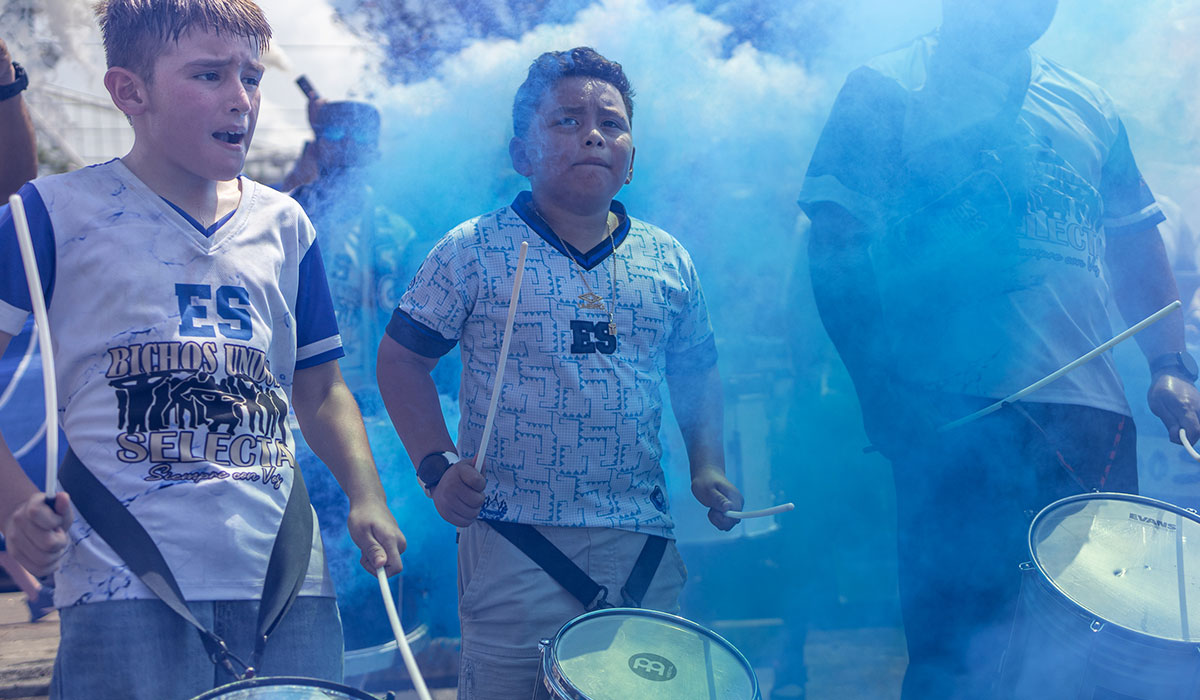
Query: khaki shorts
[(507, 603)]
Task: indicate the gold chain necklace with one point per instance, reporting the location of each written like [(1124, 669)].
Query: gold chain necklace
[(592, 300)]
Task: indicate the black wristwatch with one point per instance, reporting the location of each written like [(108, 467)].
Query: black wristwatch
[(15, 87), (432, 468), (1179, 364)]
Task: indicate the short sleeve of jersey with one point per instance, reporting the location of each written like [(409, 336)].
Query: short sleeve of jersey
[(692, 347), (430, 316), (857, 148), (317, 338), (1129, 206), (15, 304)]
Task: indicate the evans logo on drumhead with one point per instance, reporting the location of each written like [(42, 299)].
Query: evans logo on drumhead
[(652, 667), (1151, 521)]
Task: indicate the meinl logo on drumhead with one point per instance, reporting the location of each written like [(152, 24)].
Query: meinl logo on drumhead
[(1153, 522), (652, 667)]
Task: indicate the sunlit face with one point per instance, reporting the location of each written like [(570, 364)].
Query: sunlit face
[(579, 148), (1000, 24), (202, 105)]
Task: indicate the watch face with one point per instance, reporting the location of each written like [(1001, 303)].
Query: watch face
[(431, 469)]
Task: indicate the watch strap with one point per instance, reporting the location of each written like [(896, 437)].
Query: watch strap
[(432, 467), (1180, 364), (20, 83)]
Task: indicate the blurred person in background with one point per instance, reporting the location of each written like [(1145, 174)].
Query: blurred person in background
[(18, 154), (974, 209)]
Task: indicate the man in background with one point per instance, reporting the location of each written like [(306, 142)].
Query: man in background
[(364, 243), (974, 207)]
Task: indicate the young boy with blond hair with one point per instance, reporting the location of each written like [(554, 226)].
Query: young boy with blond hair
[(189, 312)]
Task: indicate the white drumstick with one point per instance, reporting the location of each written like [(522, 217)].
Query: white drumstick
[(773, 510), (1085, 358), (42, 322), (1188, 445), (512, 312), (401, 641)]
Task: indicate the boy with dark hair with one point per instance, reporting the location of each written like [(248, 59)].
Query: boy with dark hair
[(190, 311), (609, 309)]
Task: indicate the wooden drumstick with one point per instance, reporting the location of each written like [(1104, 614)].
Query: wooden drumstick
[(508, 325), (42, 322), (410, 661)]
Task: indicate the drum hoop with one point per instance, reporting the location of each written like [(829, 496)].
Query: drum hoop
[(265, 681), (563, 685), (1046, 580)]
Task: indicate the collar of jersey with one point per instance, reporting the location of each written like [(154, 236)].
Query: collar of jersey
[(206, 242), (206, 232), (523, 206)]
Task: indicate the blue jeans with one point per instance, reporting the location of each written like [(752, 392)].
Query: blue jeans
[(141, 650)]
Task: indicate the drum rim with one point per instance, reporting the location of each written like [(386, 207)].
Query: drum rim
[(553, 675), (265, 681), (1046, 579)]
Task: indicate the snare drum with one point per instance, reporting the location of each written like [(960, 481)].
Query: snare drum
[(623, 653), (284, 688), (1110, 604)]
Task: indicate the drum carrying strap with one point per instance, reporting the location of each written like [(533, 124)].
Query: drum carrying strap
[(590, 594), (126, 536)]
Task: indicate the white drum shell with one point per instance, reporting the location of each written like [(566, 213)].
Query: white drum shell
[(1065, 643)]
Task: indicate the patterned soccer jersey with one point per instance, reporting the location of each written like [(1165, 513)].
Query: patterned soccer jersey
[(175, 355), (575, 440)]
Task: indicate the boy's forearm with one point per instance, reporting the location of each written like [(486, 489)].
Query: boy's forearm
[(333, 427), (15, 485), (18, 148), (699, 407), (412, 402)]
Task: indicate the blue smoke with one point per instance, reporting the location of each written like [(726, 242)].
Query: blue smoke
[(731, 97)]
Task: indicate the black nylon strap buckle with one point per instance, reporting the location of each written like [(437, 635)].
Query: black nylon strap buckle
[(220, 655), (600, 602)]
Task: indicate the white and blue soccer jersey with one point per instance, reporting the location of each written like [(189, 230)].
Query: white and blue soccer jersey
[(988, 210), (175, 353), (575, 441)]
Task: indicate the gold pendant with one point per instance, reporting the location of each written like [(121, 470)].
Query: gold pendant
[(612, 329)]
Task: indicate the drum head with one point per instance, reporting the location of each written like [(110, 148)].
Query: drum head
[(284, 688), (1127, 560), (624, 653)]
